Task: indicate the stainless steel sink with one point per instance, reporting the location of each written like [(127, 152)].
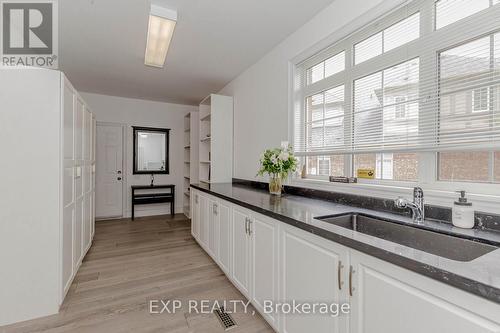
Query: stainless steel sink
[(444, 245)]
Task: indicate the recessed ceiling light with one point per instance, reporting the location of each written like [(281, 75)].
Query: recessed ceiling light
[(160, 30)]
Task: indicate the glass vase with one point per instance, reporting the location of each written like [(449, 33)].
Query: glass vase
[(275, 185)]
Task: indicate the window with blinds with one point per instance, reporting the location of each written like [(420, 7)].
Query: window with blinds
[(424, 78), (380, 100)]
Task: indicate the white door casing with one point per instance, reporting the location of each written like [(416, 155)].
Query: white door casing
[(109, 171)]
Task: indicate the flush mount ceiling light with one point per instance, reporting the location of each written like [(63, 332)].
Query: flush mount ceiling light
[(160, 30)]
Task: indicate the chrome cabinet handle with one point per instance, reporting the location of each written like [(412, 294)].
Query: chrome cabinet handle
[(215, 209), (250, 227), (339, 274), (246, 225), (351, 272)]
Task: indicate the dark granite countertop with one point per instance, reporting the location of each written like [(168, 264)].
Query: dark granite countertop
[(480, 276)]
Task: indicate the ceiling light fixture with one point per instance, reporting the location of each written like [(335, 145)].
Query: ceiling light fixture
[(160, 30)]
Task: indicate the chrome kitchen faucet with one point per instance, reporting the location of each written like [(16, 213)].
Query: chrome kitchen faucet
[(417, 206)]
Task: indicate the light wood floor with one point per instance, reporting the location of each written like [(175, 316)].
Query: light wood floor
[(131, 263)]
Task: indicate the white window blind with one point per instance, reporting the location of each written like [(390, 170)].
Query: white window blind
[(394, 36), (425, 77), (376, 99), (470, 93)]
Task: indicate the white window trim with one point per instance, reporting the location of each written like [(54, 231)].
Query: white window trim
[(485, 196), (488, 106)]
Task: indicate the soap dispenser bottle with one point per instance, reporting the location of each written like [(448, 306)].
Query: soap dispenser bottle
[(463, 212)]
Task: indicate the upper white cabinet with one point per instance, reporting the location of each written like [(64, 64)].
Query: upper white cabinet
[(48, 215), (216, 139)]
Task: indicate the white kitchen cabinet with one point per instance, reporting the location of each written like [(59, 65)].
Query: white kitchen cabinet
[(67, 246), (195, 214), (51, 125), (224, 256), (387, 298), (313, 270), (267, 259), (240, 254), (78, 234), (264, 237), (213, 228), (204, 220)]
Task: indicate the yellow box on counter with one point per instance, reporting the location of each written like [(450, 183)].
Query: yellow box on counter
[(366, 173)]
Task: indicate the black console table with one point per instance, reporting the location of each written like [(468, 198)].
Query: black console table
[(152, 198)]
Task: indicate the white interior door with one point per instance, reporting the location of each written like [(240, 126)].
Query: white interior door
[(109, 171)]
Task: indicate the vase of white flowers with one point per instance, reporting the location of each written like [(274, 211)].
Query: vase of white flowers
[(278, 163)]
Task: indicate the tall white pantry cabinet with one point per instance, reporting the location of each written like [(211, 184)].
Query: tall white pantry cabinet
[(47, 140)]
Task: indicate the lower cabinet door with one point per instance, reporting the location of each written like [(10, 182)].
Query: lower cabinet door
[(195, 214), (77, 233), (240, 251), (86, 222), (67, 246), (204, 221), (224, 255), (387, 298), (213, 229), (311, 268), (264, 236)]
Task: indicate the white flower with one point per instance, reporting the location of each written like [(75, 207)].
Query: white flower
[(283, 156)]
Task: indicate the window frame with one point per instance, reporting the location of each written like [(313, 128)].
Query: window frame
[(488, 94), (441, 41)]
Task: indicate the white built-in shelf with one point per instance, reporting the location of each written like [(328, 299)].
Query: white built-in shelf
[(215, 125), (191, 143)]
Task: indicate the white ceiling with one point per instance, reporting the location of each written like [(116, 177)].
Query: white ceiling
[(102, 44)]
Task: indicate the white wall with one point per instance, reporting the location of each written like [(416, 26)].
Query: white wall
[(261, 93), (135, 112)]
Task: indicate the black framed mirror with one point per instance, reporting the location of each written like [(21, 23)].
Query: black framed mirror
[(151, 150)]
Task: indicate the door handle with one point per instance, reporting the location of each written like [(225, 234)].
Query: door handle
[(246, 225), (215, 209), (250, 227), (351, 288), (119, 178), (339, 274), (119, 172)]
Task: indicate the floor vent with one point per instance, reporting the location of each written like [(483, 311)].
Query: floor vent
[(225, 319)]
